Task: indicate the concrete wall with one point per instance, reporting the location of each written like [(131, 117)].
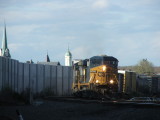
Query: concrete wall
[(36, 77), (54, 79), (20, 77), (40, 78), (59, 80), (1, 74)]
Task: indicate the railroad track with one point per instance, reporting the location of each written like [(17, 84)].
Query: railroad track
[(105, 102)]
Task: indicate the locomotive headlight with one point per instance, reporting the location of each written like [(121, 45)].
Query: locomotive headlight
[(104, 68), (111, 81), (97, 81)]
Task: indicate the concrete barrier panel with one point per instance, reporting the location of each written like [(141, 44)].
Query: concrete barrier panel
[(65, 81), (54, 79), (26, 76), (20, 78), (70, 76), (6, 82), (0, 73), (3, 72), (13, 75), (59, 80), (47, 77), (10, 73), (33, 78), (16, 75), (158, 85), (40, 78)]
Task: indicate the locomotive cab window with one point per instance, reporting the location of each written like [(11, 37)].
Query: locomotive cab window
[(103, 60), (96, 61)]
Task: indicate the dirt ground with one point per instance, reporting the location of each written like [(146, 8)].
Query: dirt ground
[(64, 110)]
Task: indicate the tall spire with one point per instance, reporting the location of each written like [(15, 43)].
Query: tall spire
[(68, 58), (68, 46), (47, 59), (4, 39), (5, 50)]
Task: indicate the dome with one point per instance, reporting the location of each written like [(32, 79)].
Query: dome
[(103, 55), (68, 53)]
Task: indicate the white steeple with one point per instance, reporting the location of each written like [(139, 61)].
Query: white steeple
[(68, 58)]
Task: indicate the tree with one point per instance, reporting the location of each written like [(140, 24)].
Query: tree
[(144, 67)]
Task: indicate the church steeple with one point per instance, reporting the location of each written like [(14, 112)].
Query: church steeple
[(4, 50), (68, 58), (47, 58)]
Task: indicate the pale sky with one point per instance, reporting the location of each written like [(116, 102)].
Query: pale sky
[(126, 29)]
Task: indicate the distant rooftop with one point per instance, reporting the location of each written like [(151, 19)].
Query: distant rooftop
[(49, 63)]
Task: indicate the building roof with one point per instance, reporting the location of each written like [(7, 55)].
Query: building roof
[(104, 57), (49, 63), (68, 53)]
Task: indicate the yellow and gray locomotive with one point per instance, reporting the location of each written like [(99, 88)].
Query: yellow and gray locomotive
[(99, 73)]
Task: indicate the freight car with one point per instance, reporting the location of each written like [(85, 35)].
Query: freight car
[(99, 73)]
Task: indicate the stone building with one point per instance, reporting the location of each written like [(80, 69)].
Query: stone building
[(48, 62)]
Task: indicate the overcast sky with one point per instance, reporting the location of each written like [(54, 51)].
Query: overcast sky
[(126, 29)]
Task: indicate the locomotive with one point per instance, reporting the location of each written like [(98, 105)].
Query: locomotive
[(99, 73)]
